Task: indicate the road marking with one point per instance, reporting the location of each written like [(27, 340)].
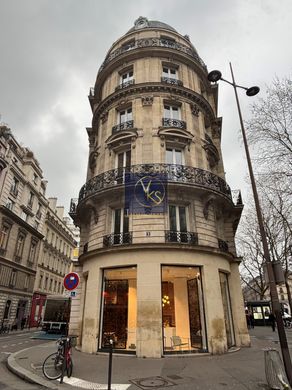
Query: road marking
[(92, 385), (4, 346), (20, 343), (7, 353), (13, 345)]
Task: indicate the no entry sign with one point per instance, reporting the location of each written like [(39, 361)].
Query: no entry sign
[(71, 281)]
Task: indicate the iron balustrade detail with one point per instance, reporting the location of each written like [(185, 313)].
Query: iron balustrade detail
[(125, 84), (173, 172), (181, 237), (169, 122), (153, 42), (223, 246), (123, 126), (123, 238), (169, 80)]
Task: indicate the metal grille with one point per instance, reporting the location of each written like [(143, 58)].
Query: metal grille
[(174, 173), (123, 126), (117, 239), (169, 80), (169, 122), (181, 237), (223, 246), (125, 84)]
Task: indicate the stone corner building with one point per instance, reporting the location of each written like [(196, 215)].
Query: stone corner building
[(157, 283)]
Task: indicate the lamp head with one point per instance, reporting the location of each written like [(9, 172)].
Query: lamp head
[(252, 91), (214, 76)]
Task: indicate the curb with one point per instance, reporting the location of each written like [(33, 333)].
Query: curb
[(28, 376)]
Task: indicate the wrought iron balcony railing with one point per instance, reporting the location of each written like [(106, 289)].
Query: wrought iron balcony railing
[(169, 122), (117, 239), (223, 246), (125, 84), (181, 237), (169, 80), (123, 126), (173, 173), (153, 42)]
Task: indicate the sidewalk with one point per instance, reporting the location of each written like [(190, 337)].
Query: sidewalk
[(240, 370)]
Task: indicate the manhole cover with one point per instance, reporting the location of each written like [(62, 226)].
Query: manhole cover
[(152, 382)]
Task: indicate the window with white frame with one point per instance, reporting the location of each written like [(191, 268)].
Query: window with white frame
[(172, 112), (125, 115), (127, 77), (174, 156), (177, 218), (13, 276), (24, 216), (4, 234), (19, 244), (14, 186), (32, 251), (120, 221), (10, 204), (30, 199), (123, 159), (169, 72)]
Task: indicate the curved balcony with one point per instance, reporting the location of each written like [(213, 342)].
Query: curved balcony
[(153, 42), (123, 126), (169, 80), (179, 174), (125, 84)]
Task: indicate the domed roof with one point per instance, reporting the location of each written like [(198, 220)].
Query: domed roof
[(142, 22)]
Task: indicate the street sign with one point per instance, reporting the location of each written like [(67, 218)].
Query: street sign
[(73, 294), (71, 281)]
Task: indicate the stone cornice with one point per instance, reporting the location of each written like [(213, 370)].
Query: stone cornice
[(138, 89)]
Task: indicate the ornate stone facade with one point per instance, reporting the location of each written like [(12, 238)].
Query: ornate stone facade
[(157, 283)]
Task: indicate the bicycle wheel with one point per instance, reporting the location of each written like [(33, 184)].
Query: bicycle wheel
[(69, 367), (52, 366)]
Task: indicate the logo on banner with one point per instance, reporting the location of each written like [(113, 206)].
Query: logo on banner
[(146, 194)]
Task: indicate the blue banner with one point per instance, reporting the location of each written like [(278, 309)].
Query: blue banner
[(146, 193)]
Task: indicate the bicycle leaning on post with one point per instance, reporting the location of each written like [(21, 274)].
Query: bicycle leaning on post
[(59, 363)]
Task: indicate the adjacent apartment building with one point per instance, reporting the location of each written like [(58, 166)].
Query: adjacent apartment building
[(158, 264), (35, 243)]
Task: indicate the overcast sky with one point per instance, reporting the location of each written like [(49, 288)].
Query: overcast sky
[(50, 52)]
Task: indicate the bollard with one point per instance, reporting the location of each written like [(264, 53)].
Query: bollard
[(64, 360), (110, 359), (275, 373)]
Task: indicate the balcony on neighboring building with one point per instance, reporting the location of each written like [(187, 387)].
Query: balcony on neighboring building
[(181, 237), (169, 80), (117, 239), (123, 126), (169, 122)]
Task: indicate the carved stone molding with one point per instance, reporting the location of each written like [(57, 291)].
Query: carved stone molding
[(147, 100), (92, 158), (208, 202), (104, 117), (195, 109)]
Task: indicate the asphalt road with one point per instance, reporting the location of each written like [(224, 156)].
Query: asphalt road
[(10, 343)]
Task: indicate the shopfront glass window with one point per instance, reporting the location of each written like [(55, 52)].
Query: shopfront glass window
[(182, 310), (119, 309)]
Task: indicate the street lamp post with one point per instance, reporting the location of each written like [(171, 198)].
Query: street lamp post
[(215, 76)]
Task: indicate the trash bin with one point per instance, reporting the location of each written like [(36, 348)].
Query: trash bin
[(275, 373)]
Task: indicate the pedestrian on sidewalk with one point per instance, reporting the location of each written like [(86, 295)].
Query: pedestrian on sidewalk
[(272, 320)]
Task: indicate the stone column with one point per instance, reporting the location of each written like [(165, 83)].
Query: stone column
[(149, 316), (217, 342), (240, 327)]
